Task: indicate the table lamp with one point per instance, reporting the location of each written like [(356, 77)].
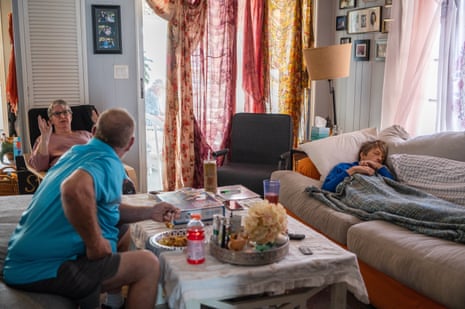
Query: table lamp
[(328, 62)]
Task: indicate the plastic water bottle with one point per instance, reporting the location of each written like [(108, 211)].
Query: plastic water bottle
[(195, 240), (17, 150)]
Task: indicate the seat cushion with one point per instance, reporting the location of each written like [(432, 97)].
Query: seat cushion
[(431, 266)]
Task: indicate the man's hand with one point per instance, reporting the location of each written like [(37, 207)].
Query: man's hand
[(99, 249), (165, 212)]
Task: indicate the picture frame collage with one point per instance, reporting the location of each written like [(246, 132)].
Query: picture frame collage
[(106, 29), (364, 20)]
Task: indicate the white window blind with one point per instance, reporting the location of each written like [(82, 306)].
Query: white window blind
[(52, 51)]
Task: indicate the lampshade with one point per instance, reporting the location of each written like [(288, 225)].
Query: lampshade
[(329, 62)]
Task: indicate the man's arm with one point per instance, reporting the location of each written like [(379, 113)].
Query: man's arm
[(161, 212), (79, 205)]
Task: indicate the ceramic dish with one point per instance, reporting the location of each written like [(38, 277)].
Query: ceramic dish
[(154, 242)]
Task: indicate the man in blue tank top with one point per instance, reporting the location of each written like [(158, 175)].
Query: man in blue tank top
[(66, 240)]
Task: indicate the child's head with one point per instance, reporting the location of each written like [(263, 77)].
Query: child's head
[(373, 150)]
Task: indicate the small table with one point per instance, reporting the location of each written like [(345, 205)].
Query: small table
[(294, 279)]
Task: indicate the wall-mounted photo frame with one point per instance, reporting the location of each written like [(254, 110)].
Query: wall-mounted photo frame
[(346, 40), (362, 50), (380, 49), (341, 23), (106, 29), (364, 20), (386, 25), (347, 4)]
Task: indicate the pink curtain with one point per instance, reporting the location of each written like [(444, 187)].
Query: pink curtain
[(408, 50), (214, 82), (254, 56)]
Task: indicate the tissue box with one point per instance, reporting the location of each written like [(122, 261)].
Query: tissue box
[(318, 133)]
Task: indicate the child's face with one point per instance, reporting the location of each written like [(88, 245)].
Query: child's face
[(374, 154)]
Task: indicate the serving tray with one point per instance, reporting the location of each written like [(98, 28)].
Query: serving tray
[(249, 257)]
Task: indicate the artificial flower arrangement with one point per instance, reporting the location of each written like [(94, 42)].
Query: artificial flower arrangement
[(265, 222)]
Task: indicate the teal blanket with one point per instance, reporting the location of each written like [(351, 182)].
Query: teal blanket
[(379, 198)]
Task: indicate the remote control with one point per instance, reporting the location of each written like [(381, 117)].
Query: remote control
[(293, 236), (305, 250)]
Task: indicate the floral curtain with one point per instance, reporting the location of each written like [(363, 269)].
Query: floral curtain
[(185, 30), (451, 87), (289, 26)]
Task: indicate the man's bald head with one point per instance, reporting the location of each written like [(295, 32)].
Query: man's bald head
[(115, 127)]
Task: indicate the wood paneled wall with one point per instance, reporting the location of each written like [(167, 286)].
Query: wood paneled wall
[(359, 96)]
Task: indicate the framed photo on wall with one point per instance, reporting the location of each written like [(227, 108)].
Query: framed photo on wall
[(106, 28), (345, 40), (386, 25), (364, 20), (380, 49), (341, 23), (362, 50), (346, 4)]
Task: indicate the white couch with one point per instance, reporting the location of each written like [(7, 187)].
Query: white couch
[(401, 268)]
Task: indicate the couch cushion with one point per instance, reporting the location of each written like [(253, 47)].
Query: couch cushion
[(293, 197), (441, 177), (448, 145), (327, 152), (432, 266)]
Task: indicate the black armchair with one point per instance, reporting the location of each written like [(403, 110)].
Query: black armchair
[(260, 144), (82, 119)]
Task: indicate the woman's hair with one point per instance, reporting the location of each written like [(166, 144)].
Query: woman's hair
[(55, 103), (367, 146)]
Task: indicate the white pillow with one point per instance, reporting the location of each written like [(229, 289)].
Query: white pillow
[(325, 153), (441, 177)]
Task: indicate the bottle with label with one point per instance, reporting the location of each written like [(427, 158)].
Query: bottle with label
[(195, 240), (210, 181), (17, 150)]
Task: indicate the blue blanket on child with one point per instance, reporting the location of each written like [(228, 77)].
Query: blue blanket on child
[(379, 198)]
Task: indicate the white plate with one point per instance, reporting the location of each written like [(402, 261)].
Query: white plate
[(154, 245)]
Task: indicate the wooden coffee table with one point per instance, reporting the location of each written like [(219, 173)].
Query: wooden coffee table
[(292, 280)]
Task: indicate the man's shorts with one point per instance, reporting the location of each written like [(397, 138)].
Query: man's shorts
[(79, 280)]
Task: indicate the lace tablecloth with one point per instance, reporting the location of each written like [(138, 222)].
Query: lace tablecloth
[(182, 282)]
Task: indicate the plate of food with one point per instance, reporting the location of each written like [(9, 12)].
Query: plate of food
[(174, 240)]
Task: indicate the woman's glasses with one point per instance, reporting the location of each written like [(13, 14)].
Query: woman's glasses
[(64, 113)]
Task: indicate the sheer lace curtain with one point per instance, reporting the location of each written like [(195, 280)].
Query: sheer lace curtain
[(410, 44), (214, 82), (408, 52), (451, 86)]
